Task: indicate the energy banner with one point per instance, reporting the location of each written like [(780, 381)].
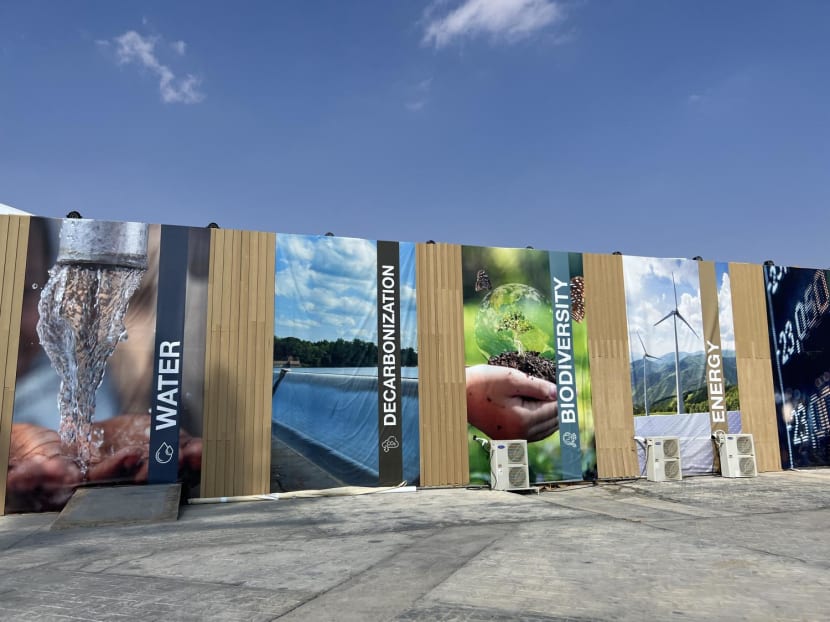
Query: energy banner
[(345, 384), (682, 354), (526, 352), (106, 388), (798, 311)]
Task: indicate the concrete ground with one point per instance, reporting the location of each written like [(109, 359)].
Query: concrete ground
[(705, 548)]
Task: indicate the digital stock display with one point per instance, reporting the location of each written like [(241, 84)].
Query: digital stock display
[(798, 306)]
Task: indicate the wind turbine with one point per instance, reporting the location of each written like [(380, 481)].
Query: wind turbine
[(646, 355), (676, 313)]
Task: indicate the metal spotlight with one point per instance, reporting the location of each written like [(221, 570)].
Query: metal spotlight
[(616, 253), (769, 262), (212, 225), (430, 241), (329, 234), (74, 214), (697, 258)]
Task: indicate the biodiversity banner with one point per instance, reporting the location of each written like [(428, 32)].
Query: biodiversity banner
[(110, 366), (798, 311), (345, 389), (682, 354), (526, 351)]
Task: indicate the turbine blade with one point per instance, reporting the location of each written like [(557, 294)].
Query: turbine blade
[(675, 290), (648, 356), (641, 341), (668, 315), (683, 319)]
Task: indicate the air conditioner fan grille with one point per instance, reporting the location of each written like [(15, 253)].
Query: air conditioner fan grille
[(671, 468), (743, 444), (517, 476)]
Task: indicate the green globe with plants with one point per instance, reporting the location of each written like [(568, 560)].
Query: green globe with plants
[(514, 318)]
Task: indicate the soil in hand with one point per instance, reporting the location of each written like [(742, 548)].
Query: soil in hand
[(530, 363)]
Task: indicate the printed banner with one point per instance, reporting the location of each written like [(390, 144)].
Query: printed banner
[(525, 337), (90, 384), (798, 310), (168, 363), (345, 394), (682, 353)]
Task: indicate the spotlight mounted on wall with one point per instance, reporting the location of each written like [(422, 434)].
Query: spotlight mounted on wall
[(529, 246), (430, 241), (74, 214), (212, 225), (697, 258), (329, 234), (769, 262), (616, 253)]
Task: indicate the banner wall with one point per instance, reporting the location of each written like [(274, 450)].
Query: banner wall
[(683, 367), (798, 311), (524, 312), (345, 394), (105, 392)]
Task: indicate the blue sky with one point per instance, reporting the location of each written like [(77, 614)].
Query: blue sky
[(326, 288), (670, 129)]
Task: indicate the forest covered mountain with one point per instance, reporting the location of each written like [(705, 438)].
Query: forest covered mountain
[(661, 383)]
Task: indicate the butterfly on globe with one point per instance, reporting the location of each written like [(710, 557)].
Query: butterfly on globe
[(483, 281)]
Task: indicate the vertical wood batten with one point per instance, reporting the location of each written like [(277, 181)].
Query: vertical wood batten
[(441, 386), (608, 353), (756, 391), (238, 364), (14, 237)]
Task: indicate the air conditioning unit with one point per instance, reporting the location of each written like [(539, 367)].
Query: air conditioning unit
[(508, 465), (663, 459), (737, 455)]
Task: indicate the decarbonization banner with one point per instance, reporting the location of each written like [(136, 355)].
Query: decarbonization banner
[(345, 389)]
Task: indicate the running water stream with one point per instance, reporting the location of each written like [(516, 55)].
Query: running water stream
[(82, 310)]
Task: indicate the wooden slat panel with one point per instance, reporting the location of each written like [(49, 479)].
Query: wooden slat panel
[(14, 237), (238, 364), (610, 370), (262, 317), (441, 373), (209, 421), (752, 351), (247, 357)]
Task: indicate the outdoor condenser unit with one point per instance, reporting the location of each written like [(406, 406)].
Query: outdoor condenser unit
[(663, 459), (508, 465), (737, 455)]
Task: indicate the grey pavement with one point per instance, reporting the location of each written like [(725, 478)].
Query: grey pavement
[(706, 548)]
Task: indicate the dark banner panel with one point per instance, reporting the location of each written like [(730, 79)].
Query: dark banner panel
[(526, 351), (345, 394), (798, 310), (87, 387)]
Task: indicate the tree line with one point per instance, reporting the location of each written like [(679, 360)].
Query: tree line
[(340, 353)]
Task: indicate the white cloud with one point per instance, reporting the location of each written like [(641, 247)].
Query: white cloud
[(132, 48), (649, 291), (180, 47), (508, 20), (419, 95)]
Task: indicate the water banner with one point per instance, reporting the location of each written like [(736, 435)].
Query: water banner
[(682, 354), (168, 362), (103, 335), (345, 394), (526, 351), (798, 311)]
